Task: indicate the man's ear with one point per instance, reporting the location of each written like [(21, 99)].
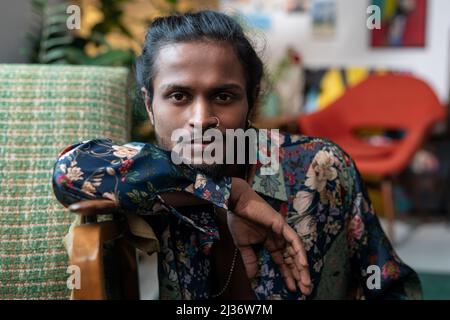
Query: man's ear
[(148, 104)]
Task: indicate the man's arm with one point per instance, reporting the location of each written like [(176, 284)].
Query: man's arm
[(112, 176), (372, 255)]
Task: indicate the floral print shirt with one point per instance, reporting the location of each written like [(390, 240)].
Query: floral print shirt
[(317, 188)]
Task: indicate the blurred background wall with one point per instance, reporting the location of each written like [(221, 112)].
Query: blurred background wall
[(348, 47)]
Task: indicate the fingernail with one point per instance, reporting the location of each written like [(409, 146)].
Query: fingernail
[(74, 207)]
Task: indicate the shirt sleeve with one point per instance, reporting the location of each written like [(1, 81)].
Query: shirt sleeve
[(382, 274), (133, 175)]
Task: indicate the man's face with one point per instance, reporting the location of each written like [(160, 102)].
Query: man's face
[(196, 83)]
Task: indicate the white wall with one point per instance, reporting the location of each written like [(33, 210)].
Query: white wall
[(349, 47), (351, 44)]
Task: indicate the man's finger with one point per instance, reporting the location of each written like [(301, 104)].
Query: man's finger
[(297, 276), (297, 251), (294, 241), (301, 275), (277, 257), (288, 277)]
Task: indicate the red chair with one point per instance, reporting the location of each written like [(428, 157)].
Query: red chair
[(393, 102)]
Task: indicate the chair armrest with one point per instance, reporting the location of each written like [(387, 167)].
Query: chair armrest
[(87, 254)]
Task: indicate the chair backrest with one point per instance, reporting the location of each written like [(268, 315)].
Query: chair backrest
[(389, 101), (43, 109)]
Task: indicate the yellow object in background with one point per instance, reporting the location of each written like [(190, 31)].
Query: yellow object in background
[(333, 85), (389, 9), (356, 75)]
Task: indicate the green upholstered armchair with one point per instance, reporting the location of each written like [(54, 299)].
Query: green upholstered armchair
[(42, 110)]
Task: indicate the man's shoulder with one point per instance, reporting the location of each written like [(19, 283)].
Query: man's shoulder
[(323, 164), (312, 147)]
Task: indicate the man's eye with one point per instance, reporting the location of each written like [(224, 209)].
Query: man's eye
[(224, 97), (178, 97)]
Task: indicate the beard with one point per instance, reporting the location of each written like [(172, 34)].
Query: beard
[(215, 170)]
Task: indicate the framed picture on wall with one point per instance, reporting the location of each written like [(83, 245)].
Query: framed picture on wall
[(323, 14), (403, 23)]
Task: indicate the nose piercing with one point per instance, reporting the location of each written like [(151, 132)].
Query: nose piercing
[(218, 122)]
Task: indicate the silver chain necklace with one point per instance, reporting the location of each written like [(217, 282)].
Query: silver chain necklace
[(227, 283), (233, 262)]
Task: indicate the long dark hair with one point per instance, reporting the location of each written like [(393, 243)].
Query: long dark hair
[(202, 25)]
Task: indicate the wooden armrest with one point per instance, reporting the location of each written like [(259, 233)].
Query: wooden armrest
[(87, 254)]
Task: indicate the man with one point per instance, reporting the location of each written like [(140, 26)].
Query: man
[(199, 70)]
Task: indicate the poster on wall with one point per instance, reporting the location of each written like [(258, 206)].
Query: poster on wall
[(403, 23), (323, 14)]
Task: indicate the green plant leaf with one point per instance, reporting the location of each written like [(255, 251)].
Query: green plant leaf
[(56, 9), (59, 19), (55, 29), (115, 57), (59, 41), (77, 56), (53, 54), (38, 5), (99, 39)]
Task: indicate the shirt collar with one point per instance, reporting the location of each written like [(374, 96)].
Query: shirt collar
[(271, 185)]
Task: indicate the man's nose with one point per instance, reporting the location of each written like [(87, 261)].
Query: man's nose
[(202, 115)]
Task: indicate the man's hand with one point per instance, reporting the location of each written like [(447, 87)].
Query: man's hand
[(254, 221), (246, 233)]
